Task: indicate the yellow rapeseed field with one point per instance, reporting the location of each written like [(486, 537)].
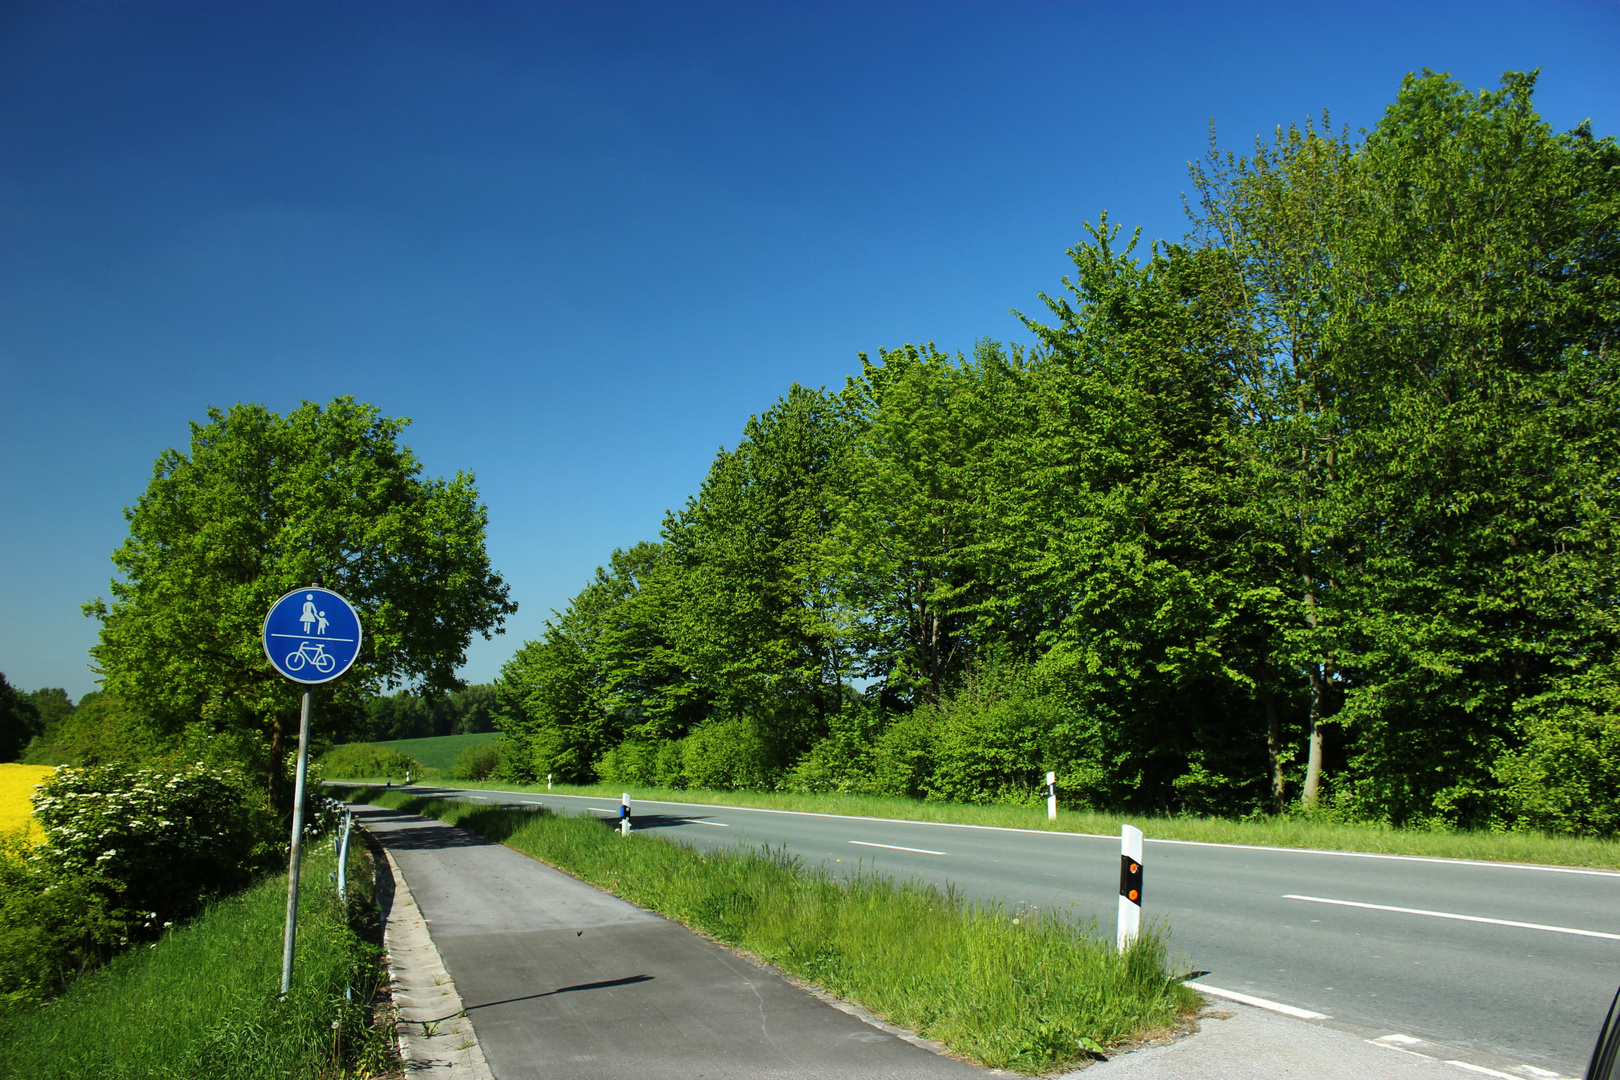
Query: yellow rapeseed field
[(16, 789)]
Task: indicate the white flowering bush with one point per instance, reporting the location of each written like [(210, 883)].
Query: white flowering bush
[(157, 840)]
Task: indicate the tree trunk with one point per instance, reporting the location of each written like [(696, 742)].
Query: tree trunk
[(1313, 763), (278, 751), (1274, 752), (1313, 760)]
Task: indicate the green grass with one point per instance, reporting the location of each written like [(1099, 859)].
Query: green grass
[(439, 752), (202, 1001), (1287, 831), (1021, 989)]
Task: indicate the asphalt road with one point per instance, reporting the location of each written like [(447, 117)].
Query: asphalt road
[(1276, 924)]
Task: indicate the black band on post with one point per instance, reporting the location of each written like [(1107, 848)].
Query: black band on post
[(1130, 879)]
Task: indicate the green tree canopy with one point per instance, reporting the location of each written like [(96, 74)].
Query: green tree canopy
[(19, 721), (261, 505)]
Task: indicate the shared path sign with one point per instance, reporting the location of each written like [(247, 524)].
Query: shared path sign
[(312, 635)]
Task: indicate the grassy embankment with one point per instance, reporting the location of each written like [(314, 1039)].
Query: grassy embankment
[(1286, 832), (201, 1002), (1016, 989)]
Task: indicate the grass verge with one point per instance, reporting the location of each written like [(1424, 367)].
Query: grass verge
[(1022, 990), (1287, 832), (201, 1002)]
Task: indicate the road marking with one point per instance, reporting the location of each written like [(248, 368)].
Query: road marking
[(897, 847), (1459, 918), (716, 824), (1389, 1042), (1115, 837), (1482, 1070), (603, 809), (1259, 1003)]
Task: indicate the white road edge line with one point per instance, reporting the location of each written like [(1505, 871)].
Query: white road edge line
[(1459, 918), (1111, 836), (1259, 1003), (897, 847), (716, 824)]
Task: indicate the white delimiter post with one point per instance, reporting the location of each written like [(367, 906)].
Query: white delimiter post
[(624, 814), (1130, 884), (1051, 796)]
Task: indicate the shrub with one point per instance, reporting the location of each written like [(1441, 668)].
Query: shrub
[(644, 762), (477, 762), (1566, 778), (842, 760), (363, 761), (724, 755), (903, 756), (53, 926), (154, 842)]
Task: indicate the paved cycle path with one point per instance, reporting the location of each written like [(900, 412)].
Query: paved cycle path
[(564, 981)]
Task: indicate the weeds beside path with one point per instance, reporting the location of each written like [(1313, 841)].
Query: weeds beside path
[(1008, 989), (1284, 832), (201, 1002)]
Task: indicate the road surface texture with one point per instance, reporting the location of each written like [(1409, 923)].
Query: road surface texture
[(563, 981), (1516, 964)]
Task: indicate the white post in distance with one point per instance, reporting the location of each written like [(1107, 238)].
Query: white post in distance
[(1051, 796), (548, 781), (1130, 884), (624, 814)]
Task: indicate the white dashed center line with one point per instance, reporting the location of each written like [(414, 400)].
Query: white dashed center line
[(897, 847), (1459, 918)]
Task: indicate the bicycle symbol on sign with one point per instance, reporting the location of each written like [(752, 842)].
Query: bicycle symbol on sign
[(310, 654)]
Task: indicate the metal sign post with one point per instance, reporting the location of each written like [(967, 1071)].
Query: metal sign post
[(311, 636), (297, 856)]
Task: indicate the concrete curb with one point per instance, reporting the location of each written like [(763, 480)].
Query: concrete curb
[(436, 1039)]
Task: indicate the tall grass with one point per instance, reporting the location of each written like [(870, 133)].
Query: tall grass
[(1018, 989), (202, 1001), (1320, 832)]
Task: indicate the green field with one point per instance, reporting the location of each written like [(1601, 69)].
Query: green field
[(439, 752)]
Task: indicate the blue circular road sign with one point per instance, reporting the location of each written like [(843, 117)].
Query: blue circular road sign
[(312, 635)]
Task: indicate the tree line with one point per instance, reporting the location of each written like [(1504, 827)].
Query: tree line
[(1314, 507), (46, 727)]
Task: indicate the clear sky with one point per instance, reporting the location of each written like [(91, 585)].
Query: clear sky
[(579, 244)]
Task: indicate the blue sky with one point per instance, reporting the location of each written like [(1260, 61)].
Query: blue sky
[(579, 244)]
